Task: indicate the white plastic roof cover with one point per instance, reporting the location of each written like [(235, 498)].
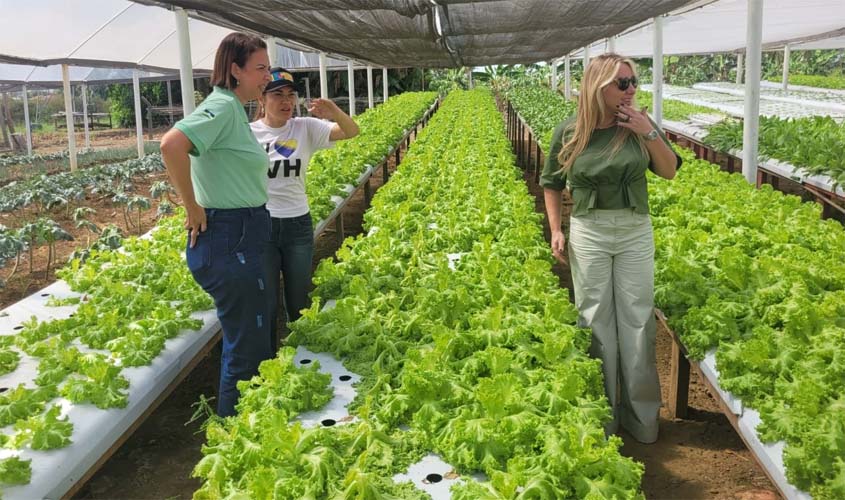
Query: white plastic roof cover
[(720, 26), (429, 33), (15, 75), (100, 33)]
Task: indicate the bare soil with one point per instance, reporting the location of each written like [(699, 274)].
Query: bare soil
[(700, 457)]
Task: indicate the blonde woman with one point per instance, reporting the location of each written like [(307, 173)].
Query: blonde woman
[(602, 154)]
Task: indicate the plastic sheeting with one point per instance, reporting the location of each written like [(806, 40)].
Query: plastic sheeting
[(12, 76), (100, 33), (720, 26), (425, 33), (109, 34)]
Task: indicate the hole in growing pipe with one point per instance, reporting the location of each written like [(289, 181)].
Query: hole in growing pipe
[(434, 478), (328, 422), (304, 361), (345, 378)]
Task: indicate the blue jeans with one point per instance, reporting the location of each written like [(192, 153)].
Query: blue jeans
[(289, 252), (226, 262)]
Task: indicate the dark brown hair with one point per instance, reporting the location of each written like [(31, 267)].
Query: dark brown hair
[(235, 48)]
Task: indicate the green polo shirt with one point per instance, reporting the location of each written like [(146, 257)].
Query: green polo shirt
[(228, 167), (598, 180)]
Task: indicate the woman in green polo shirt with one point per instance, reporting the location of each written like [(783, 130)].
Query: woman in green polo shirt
[(220, 171), (603, 154)]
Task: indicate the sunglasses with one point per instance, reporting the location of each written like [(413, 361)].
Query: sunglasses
[(623, 83)]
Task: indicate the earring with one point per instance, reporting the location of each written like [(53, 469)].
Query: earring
[(237, 82)]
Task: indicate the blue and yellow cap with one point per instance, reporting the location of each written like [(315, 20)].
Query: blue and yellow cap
[(280, 77)]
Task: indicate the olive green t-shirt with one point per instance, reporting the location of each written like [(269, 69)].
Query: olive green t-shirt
[(228, 167), (598, 180)]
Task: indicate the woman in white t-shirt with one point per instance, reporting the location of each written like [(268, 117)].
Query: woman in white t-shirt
[(290, 141)]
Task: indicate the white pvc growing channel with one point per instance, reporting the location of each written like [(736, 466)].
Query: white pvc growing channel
[(734, 105)]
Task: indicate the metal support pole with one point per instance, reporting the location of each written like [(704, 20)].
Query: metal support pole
[(785, 83), (657, 72), (739, 67), (554, 74), (27, 124), (71, 138), (384, 84), (186, 71), (170, 101), (586, 57), (139, 123), (469, 78), (324, 77), (567, 79), (350, 74), (611, 44), (272, 50), (370, 85), (85, 115), (751, 120)]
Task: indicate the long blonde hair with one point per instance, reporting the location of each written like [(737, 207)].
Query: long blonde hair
[(600, 72)]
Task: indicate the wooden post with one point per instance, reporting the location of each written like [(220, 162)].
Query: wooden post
[(338, 224), (368, 192), (7, 136), (678, 383)]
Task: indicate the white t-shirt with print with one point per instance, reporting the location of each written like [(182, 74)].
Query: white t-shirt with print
[(290, 149)]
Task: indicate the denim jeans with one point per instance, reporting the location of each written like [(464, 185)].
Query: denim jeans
[(289, 252), (226, 262)]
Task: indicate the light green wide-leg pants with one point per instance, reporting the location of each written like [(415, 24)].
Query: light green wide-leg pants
[(611, 254)]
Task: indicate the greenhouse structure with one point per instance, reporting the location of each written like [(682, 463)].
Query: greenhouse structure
[(442, 355)]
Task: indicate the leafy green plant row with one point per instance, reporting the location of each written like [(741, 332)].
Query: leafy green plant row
[(816, 144), (134, 301), (381, 128), (759, 276), (673, 109), (482, 364), (542, 108), (41, 163), (822, 82), (66, 188)]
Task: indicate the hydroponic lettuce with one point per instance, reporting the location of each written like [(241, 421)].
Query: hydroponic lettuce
[(481, 364), (134, 300), (542, 108), (760, 276), (816, 144), (382, 127)]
